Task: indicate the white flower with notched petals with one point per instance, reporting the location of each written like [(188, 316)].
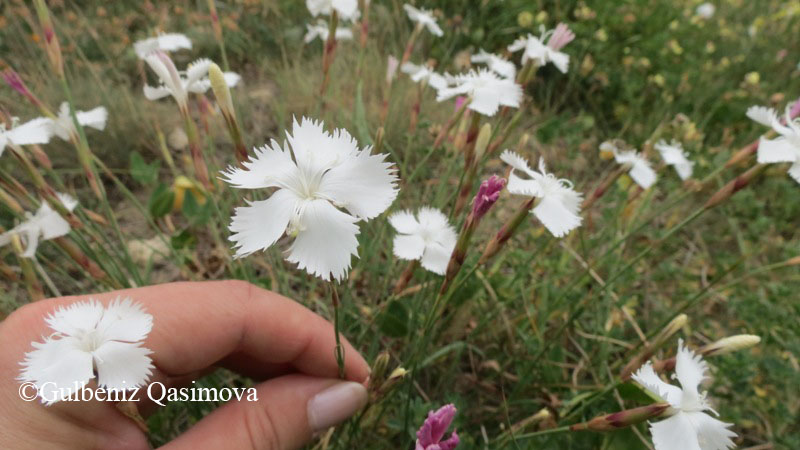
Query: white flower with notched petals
[(324, 185), (542, 53), (36, 131), (424, 18), (496, 64), (428, 237), (168, 42), (689, 427), (559, 205), (179, 84), (785, 147), (424, 74), (639, 170), (674, 155), (346, 9), (90, 339), (63, 127), (320, 30), (486, 90), (46, 224)]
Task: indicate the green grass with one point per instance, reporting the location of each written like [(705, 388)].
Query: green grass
[(531, 330)]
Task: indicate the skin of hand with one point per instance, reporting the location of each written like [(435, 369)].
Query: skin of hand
[(197, 326)]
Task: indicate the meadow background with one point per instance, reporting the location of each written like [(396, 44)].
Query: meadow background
[(532, 330)]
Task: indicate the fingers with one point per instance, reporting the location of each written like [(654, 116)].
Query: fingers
[(288, 411), (197, 325)]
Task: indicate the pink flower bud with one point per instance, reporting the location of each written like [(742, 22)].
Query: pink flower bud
[(487, 195), (429, 436), (562, 36)]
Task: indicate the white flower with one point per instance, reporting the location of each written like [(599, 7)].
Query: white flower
[(424, 18), (674, 156), (179, 84), (640, 169), (486, 90), (535, 48), (89, 339), (689, 428), (63, 127), (496, 64), (168, 42), (321, 30), (706, 10), (785, 147), (428, 238), (46, 224), (559, 205), (347, 9), (324, 185), (36, 131), (424, 74)]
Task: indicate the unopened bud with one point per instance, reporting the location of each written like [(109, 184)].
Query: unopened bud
[(730, 344), (379, 368), (50, 39), (399, 372), (622, 419), (379, 141), (734, 186), (221, 89), (482, 142), (673, 327), (488, 193)]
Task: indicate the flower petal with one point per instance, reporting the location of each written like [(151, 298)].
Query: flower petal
[(122, 365), (270, 166), (408, 246), (712, 434), (50, 223), (690, 369), (55, 365), (327, 241), (648, 378), (642, 173), (363, 184), (404, 222), (125, 320), (36, 131), (762, 115), (155, 93), (436, 257), (556, 216), (777, 150), (95, 118), (75, 318), (794, 171), (675, 433), (257, 226)]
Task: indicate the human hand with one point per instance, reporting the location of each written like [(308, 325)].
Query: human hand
[(197, 327)]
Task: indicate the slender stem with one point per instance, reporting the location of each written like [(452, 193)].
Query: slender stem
[(339, 349)]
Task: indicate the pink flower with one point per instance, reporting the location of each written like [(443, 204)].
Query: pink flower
[(487, 195), (429, 436), (562, 36), (13, 79)]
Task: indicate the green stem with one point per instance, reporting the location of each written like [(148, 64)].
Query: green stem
[(339, 349)]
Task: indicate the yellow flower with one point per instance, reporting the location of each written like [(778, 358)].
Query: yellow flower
[(183, 184), (752, 78), (525, 19), (601, 35), (675, 47)]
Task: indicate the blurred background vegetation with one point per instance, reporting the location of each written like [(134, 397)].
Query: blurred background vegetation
[(636, 65)]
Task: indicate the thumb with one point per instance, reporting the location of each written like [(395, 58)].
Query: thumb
[(288, 411)]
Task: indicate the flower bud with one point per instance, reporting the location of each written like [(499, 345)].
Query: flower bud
[(482, 142), (734, 186), (622, 419), (488, 193), (50, 39), (730, 344), (221, 90), (673, 327)]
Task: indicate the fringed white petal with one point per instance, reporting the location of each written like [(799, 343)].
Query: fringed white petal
[(560, 60), (437, 257), (404, 222), (762, 114), (650, 380), (408, 246), (675, 433), (57, 364), (365, 185), (94, 118), (556, 217), (794, 171), (327, 241), (777, 150), (122, 365), (690, 369), (155, 93), (257, 226), (36, 131), (270, 166), (642, 173), (712, 434), (125, 320)]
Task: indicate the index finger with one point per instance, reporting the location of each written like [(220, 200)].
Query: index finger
[(200, 324)]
